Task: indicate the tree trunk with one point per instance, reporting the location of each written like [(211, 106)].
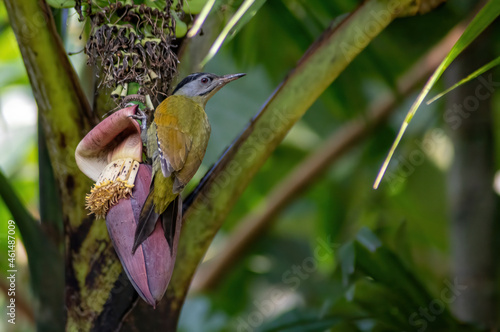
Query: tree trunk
[(470, 184)]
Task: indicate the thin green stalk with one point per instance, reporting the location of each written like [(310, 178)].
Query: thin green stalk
[(470, 77)]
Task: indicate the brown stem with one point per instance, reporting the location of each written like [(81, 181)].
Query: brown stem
[(340, 142)]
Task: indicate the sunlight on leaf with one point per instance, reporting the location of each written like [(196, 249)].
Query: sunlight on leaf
[(482, 20), (246, 11), (472, 76), (200, 19)]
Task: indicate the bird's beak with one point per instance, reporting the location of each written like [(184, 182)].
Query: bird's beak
[(219, 82), (231, 77)]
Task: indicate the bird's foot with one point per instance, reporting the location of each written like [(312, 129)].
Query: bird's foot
[(142, 117)]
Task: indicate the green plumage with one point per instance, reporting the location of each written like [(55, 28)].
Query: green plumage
[(182, 131)]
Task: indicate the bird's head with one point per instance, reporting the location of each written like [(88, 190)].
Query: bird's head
[(202, 86)]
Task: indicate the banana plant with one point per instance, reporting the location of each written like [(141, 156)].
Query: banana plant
[(131, 42)]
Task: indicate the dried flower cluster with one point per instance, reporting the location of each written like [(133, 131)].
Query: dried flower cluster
[(132, 43), (116, 182)]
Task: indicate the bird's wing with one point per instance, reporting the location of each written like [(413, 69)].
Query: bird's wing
[(174, 140), (152, 142), (194, 160), (182, 131)]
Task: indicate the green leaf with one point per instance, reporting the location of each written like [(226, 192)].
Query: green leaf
[(376, 263), (401, 243), (24, 220), (61, 3), (368, 239), (296, 321), (482, 20), (472, 76), (387, 307), (347, 256), (393, 294)]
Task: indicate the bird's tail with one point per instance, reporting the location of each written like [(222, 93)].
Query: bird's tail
[(171, 220), (147, 221)]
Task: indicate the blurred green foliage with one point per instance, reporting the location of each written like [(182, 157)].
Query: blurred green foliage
[(19, 160)]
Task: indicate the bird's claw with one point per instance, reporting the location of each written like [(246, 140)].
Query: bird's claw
[(142, 117)]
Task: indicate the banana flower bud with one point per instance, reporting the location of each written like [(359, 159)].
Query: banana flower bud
[(110, 154)]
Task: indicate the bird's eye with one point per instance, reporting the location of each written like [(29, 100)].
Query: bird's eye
[(204, 80)]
